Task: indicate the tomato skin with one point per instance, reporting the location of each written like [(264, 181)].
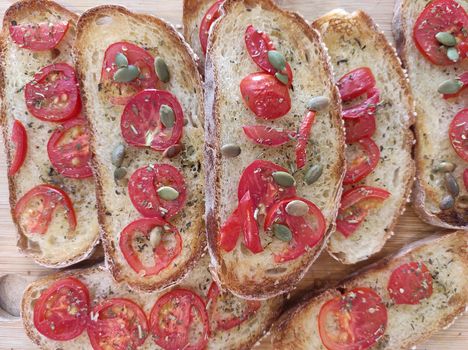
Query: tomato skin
[(439, 16), (19, 138), (56, 86), (58, 321), (355, 204), (364, 165), (38, 37), (365, 108), (359, 128), (249, 224), (213, 13), (465, 178), (170, 326), (458, 134), (410, 283), (230, 231), (265, 96), (162, 256), (355, 83), (360, 317), (110, 329), (268, 136), (51, 197), (303, 138)]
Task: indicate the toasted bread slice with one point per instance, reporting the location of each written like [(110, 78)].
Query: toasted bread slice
[(97, 29), (257, 275), (446, 258), (101, 286), (57, 247), (353, 41), (434, 115)]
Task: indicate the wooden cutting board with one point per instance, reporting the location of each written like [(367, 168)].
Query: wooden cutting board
[(326, 270)]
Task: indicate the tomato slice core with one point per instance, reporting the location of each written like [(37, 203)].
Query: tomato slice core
[(38, 37), (209, 18), (410, 283), (19, 138), (267, 135), (363, 162), (458, 134), (355, 83)]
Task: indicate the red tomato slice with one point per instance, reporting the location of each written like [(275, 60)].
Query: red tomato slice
[(35, 209), (439, 16), (230, 231), (137, 246), (38, 37), (53, 95), (179, 321), (61, 312), (121, 93), (465, 178), (143, 187), (117, 324), (19, 138), (362, 164), (410, 283), (355, 83), (223, 314), (303, 138), (211, 15), (265, 96), (359, 128), (458, 133), (267, 135), (365, 108), (68, 149), (353, 321), (246, 211), (307, 231), (463, 79), (141, 125), (355, 205)]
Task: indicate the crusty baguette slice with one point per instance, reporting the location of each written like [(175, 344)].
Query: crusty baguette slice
[(434, 115), (446, 258), (97, 29), (55, 248), (353, 41), (257, 275), (101, 286)]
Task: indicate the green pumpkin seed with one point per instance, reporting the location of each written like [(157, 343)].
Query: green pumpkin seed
[(445, 167), (172, 151), (168, 193), (447, 202), (462, 202), (277, 60), (451, 184), (126, 74), (166, 114), (318, 103), (452, 54), (282, 232), (118, 155), (155, 236), (283, 179), (451, 86), (282, 78), (446, 38), (162, 70), (230, 150), (313, 174), (119, 173), (121, 60), (297, 208)]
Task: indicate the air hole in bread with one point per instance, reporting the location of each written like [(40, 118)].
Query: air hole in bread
[(395, 176), (276, 271), (104, 20)]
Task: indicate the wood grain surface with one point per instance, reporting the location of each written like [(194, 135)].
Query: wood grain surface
[(324, 272)]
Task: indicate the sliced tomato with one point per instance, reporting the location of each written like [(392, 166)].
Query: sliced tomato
[(143, 190), (120, 93), (249, 224), (141, 124), (38, 37), (179, 321), (267, 135), (209, 18), (355, 205), (364, 108), (53, 94), (265, 96), (61, 312), (307, 231), (440, 16), (410, 283), (227, 312), (353, 321), (303, 138), (35, 209), (363, 162), (465, 178), (458, 133), (359, 128), (117, 324), (68, 149), (230, 231), (463, 79), (149, 255), (19, 138), (355, 83)]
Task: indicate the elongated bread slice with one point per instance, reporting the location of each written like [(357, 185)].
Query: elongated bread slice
[(102, 287), (97, 29), (446, 259), (434, 115), (57, 247), (354, 41), (257, 275)]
